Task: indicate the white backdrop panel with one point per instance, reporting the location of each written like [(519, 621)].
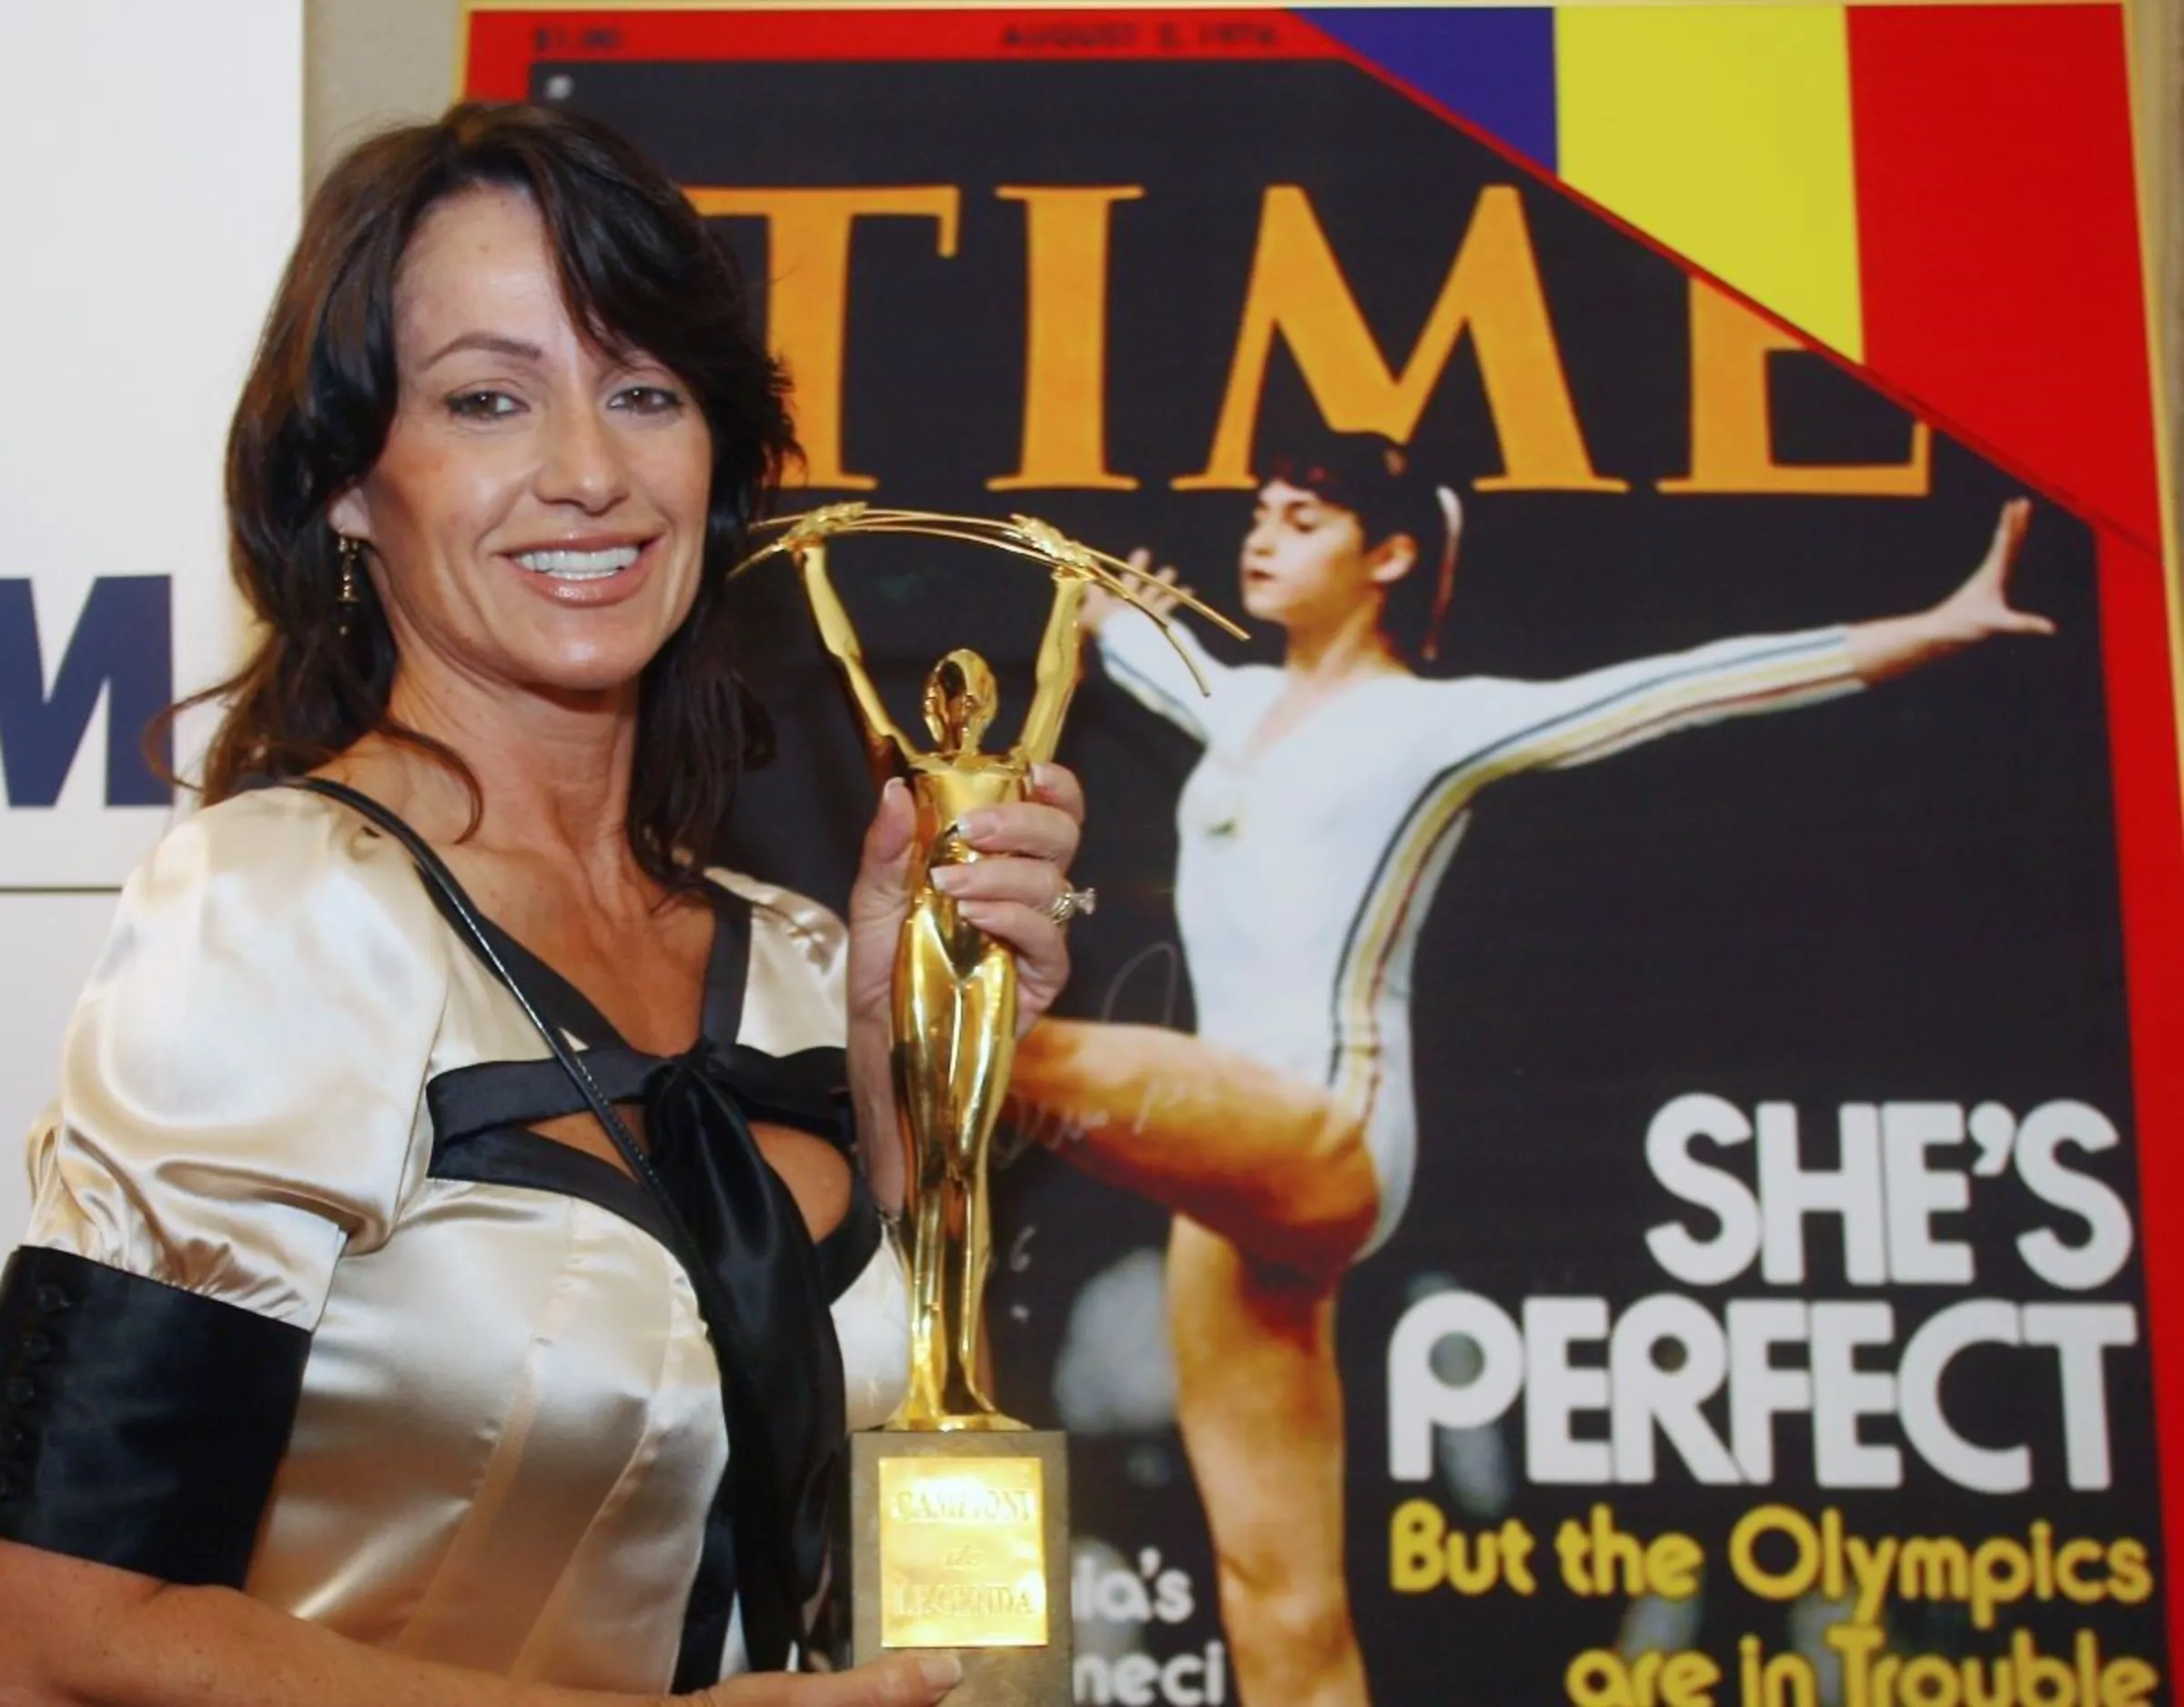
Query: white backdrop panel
[(150, 173), (150, 168)]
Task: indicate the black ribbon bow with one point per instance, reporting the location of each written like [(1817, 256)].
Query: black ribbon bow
[(781, 1367)]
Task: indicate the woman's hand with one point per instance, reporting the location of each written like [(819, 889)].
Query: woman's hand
[(897, 1680), (1024, 847), (1158, 597), (1978, 610)]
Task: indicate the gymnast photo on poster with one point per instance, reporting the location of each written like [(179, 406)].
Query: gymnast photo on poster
[(1318, 821)]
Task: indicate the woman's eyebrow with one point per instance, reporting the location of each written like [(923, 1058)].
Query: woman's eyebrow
[(496, 343)]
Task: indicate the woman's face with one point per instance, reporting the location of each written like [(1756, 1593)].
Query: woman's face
[(1306, 563), (538, 515)]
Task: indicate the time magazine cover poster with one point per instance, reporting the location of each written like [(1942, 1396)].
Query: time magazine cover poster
[(1604, 1141)]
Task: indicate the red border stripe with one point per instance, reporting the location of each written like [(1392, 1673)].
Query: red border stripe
[(1997, 229), (504, 46)]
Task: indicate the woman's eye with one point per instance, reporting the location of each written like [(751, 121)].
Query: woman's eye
[(480, 405), (648, 400)]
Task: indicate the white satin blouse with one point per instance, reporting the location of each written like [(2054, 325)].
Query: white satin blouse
[(288, 1088)]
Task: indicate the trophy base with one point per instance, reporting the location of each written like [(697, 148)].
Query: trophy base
[(959, 1542)]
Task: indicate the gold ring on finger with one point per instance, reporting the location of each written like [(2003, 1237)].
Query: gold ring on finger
[(1071, 902)]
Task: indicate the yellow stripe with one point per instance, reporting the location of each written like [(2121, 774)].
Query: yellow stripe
[(1722, 131)]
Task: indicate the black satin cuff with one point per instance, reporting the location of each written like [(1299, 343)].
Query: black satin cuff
[(140, 1425)]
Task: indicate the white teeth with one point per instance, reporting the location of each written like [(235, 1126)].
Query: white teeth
[(580, 565)]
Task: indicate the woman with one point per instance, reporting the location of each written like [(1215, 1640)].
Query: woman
[(347, 1361), (1313, 833)]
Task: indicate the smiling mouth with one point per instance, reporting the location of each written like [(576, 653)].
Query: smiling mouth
[(563, 565)]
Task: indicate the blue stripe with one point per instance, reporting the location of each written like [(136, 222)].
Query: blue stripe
[(1491, 66)]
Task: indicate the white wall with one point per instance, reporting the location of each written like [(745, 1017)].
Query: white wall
[(150, 171)]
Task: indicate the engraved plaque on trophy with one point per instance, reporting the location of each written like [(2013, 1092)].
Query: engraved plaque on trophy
[(961, 1540), (958, 1514)]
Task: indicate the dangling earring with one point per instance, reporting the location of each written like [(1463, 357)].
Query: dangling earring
[(351, 594)]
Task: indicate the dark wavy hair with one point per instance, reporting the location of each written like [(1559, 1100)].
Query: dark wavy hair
[(640, 271)]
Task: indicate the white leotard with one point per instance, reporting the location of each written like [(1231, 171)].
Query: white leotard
[(1305, 868)]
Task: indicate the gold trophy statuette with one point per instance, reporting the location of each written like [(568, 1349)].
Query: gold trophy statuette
[(959, 1524)]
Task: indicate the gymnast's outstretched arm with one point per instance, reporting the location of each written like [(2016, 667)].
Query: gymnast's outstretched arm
[(1510, 726)]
